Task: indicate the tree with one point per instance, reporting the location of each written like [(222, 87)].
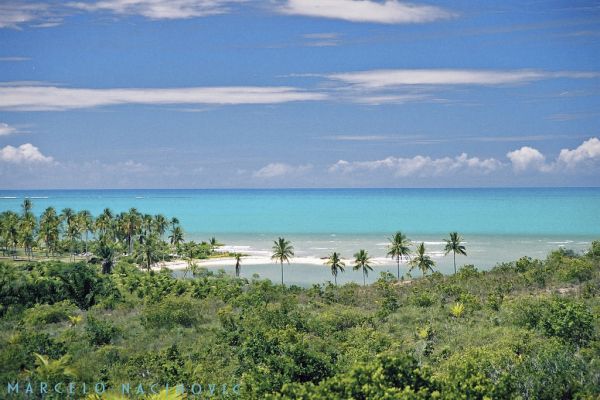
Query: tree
[(336, 264), (282, 251), (86, 225), (49, 230), (454, 245), (238, 260), (104, 222), (10, 223), (361, 261), (160, 225), (422, 261), (147, 253), (176, 236), (130, 225), (106, 251), (398, 248), (72, 229)]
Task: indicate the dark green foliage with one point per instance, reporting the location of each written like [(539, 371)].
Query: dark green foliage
[(100, 332), (566, 319), (172, 311), (527, 329)]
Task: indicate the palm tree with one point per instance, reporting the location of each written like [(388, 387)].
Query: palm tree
[(71, 228), (160, 224), (104, 222), (49, 230), (106, 252), (214, 243), (361, 261), (176, 236), (398, 248), (336, 264), (147, 252), (131, 223), (282, 251), (238, 260), (454, 245), (86, 225), (422, 261)]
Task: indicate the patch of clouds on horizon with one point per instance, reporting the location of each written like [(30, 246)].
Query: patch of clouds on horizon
[(24, 154), (159, 9), (588, 150), (420, 165), (366, 11), (15, 13), (52, 98), (276, 170), (527, 157)]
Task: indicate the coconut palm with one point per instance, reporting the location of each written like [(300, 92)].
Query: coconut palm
[(422, 261), (11, 227), (336, 264), (49, 230), (399, 248), (176, 236), (104, 222), (147, 253), (282, 251), (238, 260), (130, 225), (160, 225), (86, 225), (106, 252), (27, 228), (361, 261), (454, 245)]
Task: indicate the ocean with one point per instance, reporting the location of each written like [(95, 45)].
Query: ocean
[(499, 224)]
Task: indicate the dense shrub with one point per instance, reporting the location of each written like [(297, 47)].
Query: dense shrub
[(41, 314), (564, 318), (100, 332), (172, 311)]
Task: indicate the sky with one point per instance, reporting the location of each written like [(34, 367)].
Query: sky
[(299, 93)]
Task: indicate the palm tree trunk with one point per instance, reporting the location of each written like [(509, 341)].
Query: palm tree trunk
[(282, 273), (398, 260), (454, 262), (364, 278), (335, 279)]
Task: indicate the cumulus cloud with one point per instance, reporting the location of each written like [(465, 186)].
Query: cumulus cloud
[(6, 129), (40, 98), (588, 150), (527, 157), (405, 77), (25, 153), (386, 12), (159, 9), (275, 170), (420, 165)]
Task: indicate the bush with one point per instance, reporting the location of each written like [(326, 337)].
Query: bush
[(42, 314), (566, 319), (575, 270), (100, 332), (170, 312)]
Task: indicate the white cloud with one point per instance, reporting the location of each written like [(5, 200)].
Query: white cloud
[(420, 165), (25, 153), (379, 79), (14, 58), (13, 14), (275, 170), (527, 157), (6, 129), (34, 98), (588, 150), (386, 12), (159, 9)]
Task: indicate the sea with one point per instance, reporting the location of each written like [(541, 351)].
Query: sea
[(497, 224)]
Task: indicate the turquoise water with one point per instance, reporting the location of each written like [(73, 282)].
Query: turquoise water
[(497, 224)]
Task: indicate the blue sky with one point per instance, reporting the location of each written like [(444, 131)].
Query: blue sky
[(299, 93)]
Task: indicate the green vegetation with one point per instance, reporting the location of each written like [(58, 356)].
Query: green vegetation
[(527, 329)]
